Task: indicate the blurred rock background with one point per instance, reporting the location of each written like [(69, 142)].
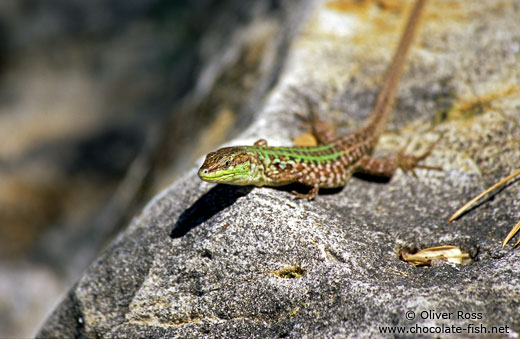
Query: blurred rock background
[(101, 105)]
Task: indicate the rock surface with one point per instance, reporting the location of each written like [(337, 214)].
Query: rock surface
[(221, 261)]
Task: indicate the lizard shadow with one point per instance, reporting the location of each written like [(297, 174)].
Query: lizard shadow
[(300, 188), (209, 204), (372, 178), (222, 196)]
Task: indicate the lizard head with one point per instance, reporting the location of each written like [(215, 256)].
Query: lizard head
[(230, 165)]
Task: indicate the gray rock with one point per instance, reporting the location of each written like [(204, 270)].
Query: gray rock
[(222, 261)]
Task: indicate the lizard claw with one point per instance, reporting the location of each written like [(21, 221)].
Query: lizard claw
[(409, 162)]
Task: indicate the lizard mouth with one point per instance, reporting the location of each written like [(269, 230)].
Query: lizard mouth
[(215, 177)]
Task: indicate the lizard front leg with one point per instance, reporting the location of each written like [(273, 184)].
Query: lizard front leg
[(289, 176), (310, 195)]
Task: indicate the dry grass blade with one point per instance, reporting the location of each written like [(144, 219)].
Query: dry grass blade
[(425, 257), (511, 233), (466, 206)]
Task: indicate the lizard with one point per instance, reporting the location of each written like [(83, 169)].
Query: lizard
[(331, 163)]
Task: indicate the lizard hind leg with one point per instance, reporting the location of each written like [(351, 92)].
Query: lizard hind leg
[(323, 131), (409, 162), (386, 167)]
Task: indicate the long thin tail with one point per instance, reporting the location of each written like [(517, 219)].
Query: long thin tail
[(382, 110)]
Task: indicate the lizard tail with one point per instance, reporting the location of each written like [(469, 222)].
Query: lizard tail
[(383, 107)]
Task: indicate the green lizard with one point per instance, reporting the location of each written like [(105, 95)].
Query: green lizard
[(330, 164)]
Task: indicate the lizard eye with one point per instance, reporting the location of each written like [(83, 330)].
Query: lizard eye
[(227, 163)]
